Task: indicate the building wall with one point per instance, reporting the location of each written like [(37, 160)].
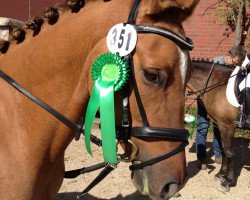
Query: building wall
[(24, 9), (206, 31), (202, 27)]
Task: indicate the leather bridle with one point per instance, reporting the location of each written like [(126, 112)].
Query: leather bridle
[(146, 131)]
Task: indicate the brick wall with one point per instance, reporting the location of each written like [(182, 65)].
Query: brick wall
[(202, 27), (24, 9), (206, 31)]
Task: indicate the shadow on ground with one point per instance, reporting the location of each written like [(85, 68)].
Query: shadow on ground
[(241, 158), (73, 195)]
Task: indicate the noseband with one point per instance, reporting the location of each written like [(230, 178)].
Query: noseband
[(146, 131)]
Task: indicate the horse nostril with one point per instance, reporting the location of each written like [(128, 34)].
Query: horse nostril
[(169, 190)]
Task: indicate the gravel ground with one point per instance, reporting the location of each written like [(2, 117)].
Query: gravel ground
[(118, 185)]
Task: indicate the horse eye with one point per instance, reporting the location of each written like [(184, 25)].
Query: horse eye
[(154, 77)]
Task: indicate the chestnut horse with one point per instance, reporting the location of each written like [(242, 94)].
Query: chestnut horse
[(51, 57), (218, 108)]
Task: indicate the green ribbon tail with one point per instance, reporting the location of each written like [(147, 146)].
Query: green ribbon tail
[(92, 108), (107, 117), (109, 73)]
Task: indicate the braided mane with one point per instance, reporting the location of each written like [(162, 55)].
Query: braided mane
[(202, 60), (207, 61), (50, 15)]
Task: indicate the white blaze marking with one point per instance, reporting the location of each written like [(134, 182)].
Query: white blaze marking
[(183, 64)]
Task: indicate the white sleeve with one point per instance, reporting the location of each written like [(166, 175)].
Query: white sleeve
[(245, 62)]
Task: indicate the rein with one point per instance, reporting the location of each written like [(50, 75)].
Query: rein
[(48, 108), (208, 78), (126, 131), (207, 88)]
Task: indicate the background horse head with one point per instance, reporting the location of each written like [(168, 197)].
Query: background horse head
[(51, 56), (218, 108)]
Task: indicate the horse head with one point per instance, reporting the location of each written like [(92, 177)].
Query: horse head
[(159, 71), (153, 137)]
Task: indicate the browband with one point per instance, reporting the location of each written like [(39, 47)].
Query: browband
[(187, 45)]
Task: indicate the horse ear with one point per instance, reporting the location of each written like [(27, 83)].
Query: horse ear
[(185, 7)]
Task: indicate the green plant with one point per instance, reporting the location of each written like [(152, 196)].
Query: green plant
[(191, 126), (242, 133), (228, 12), (233, 14), (193, 111)]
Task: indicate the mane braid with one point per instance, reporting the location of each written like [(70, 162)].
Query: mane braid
[(51, 15), (202, 60), (35, 25), (75, 5), (4, 46), (18, 34)]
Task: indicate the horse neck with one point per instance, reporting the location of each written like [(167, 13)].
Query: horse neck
[(53, 64), (201, 74), (50, 65)]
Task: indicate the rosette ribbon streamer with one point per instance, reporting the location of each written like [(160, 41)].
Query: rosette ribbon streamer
[(109, 73)]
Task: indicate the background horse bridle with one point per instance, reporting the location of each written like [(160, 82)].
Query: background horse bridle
[(126, 131)]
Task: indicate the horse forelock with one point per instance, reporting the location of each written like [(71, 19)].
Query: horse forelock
[(50, 15)]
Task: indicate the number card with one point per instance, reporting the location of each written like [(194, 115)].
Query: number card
[(122, 39)]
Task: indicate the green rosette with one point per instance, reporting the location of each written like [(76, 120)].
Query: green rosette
[(109, 73)]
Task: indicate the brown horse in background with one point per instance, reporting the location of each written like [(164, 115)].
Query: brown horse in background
[(219, 110), (51, 56)]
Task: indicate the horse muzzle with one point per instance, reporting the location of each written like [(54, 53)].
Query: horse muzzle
[(145, 185)]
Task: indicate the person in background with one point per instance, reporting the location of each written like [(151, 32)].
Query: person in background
[(235, 57)]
